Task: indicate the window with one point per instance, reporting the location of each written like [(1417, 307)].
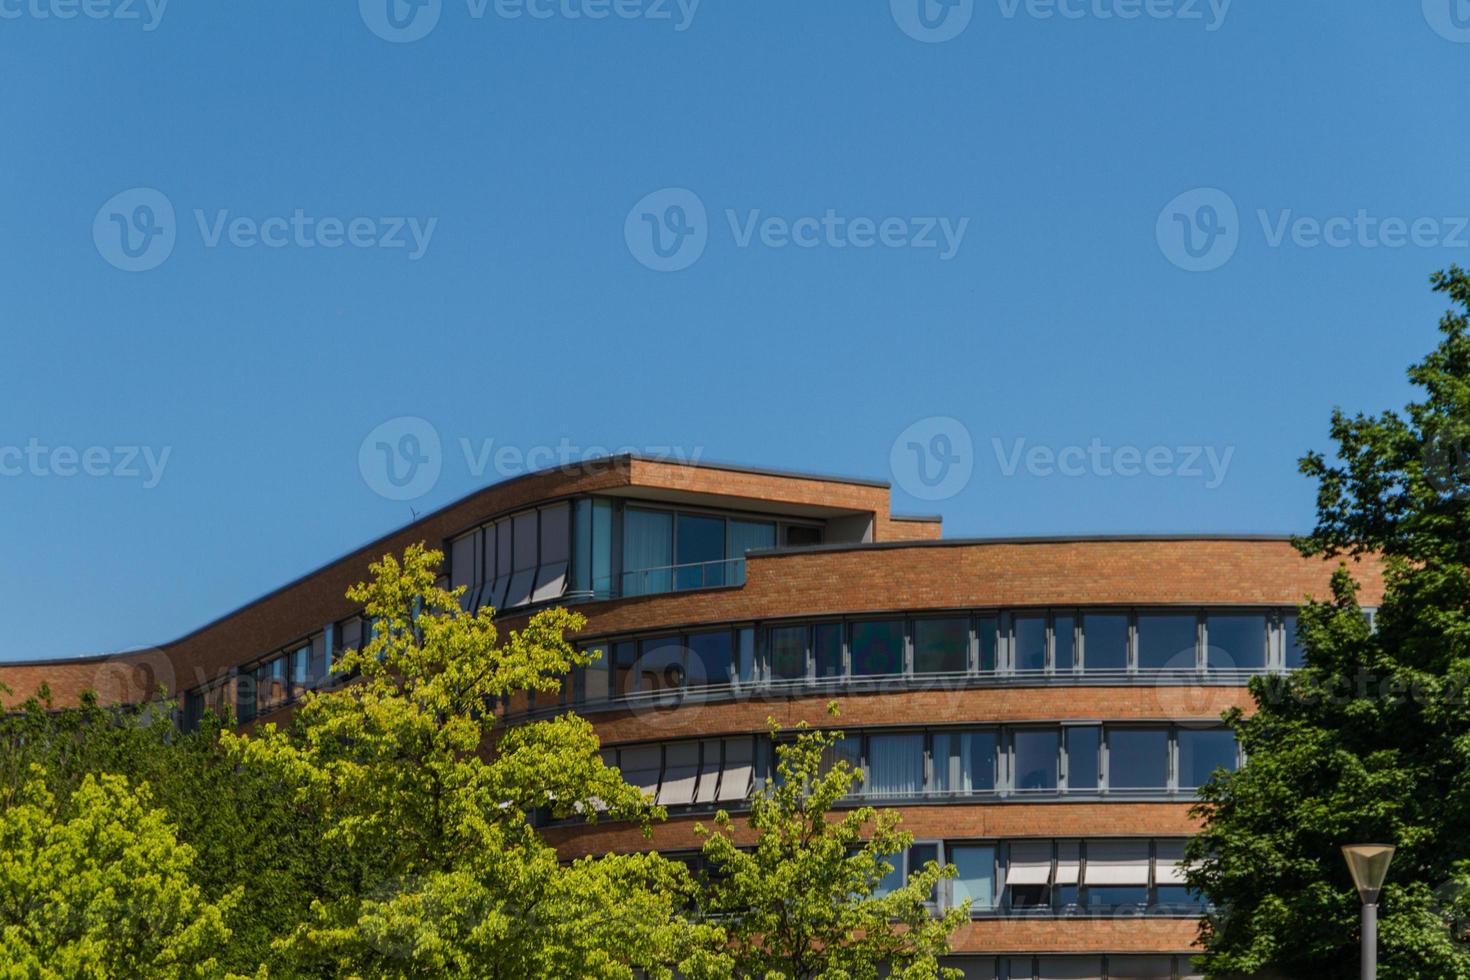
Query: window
[(895, 765), (788, 652), (1030, 643), (504, 562), (555, 558), (681, 773), (709, 658), (298, 662), (1235, 641), (592, 549), (1028, 875), (801, 535), (463, 561), (1105, 641), (1068, 875), (1117, 874), (192, 712), (700, 554), (319, 664), (877, 648), (523, 566), (964, 762), (745, 656), (1069, 968), (1167, 642), (641, 767), (975, 877), (1140, 968), (648, 551), (746, 536), (988, 632), (624, 664), (827, 643), (1035, 754), (1201, 752), (709, 772), (739, 770), (1295, 654), (661, 665), (596, 689), (1138, 758), (1083, 757), (1064, 642), (941, 646)]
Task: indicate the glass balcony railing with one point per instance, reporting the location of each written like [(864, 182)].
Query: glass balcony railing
[(684, 578)]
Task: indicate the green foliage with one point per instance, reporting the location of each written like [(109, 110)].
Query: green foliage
[(103, 892), (449, 876), (1371, 743), (800, 904)]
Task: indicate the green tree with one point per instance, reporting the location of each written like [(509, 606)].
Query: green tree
[(1371, 742), (104, 892), (801, 903), (432, 810), (251, 842)]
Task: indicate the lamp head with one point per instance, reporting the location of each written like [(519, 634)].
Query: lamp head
[(1368, 864)]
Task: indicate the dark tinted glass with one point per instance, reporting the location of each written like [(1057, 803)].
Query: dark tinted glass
[(1295, 655), (1201, 753), (1082, 758), (987, 631), (1235, 642), (827, 639), (877, 648), (709, 658), (1036, 760), (1166, 641), (1063, 642), (788, 652), (1138, 758), (941, 645), (1105, 641), (699, 542), (1030, 642)]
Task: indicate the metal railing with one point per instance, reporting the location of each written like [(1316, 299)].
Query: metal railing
[(684, 578)]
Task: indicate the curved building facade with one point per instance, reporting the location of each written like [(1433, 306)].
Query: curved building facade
[(1041, 710)]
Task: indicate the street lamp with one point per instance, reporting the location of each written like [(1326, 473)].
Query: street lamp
[(1368, 864)]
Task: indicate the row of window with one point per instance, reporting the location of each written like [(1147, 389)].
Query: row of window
[(669, 550), (1086, 759), (284, 676), (518, 560), (1075, 967), (1105, 644), (1055, 877)]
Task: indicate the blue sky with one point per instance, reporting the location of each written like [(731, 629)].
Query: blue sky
[(1060, 152)]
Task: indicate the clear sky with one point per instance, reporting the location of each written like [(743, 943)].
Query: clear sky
[(987, 200)]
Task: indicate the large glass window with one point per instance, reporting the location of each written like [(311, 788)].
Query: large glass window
[(523, 570), (1105, 641), (941, 646), (700, 552), (964, 762), (975, 878), (1235, 641), (710, 658), (1083, 757), (648, 551), (1030, 648), (827, 642), (1138, 758), (788, 652), (1035, 754), (895, 765), (1167, 641), (1028, 874), (555, 558), (1295, 653), (1064, 642), (661, 665), (624, 665), (1201, 752), (746, 536), (988, 634), (877, 648)]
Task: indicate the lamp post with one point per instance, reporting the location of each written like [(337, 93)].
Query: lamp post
[(1368, 864)]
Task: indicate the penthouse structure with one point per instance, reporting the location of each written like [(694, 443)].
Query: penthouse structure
[(1041, 710)]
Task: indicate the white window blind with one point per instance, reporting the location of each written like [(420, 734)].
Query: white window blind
[(1117, 863), (1030, 863), (681, 772)]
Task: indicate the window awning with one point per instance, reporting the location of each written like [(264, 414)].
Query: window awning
[(1030, 863), (1117, 863), (1170, 867)]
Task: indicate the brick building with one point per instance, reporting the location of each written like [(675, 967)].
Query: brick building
[(1041, 709)]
